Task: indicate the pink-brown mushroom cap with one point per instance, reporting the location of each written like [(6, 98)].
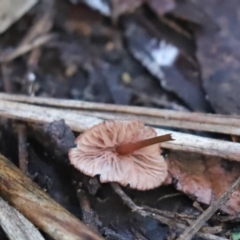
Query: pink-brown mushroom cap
[(95, 155)]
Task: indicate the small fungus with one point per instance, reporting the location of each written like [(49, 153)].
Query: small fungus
[(127, 152)]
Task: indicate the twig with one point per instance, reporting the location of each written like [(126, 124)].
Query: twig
[(7, 84), (34, 58), (181, 217), (206, 215), (30, 75), (15, 225), (38, 207), (22, 148), (35, 37), (170, 222), (109, 232), (26, 48), (42, 26), (232, 218), (88, 215), (79, 122), (161, 102), (169, 196), (158, 117)]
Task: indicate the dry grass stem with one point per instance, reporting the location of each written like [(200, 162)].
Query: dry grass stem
[(7, 84), (22, 147), (79, 122), (35, 37), (26, 48), (158, 117)]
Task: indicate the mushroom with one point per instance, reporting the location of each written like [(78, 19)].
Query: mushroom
[(127, 152)]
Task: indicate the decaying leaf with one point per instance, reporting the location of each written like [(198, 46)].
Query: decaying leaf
[(116, 8), (11, 11), (189, 11), (170, 64), (205, 179), (219, 56)]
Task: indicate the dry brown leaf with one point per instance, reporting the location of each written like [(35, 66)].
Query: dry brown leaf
[(219, 53), (120, 7), (161, 6), (205, 179), (11, 11)]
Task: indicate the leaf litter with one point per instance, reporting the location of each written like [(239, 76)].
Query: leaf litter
[(157, 54)]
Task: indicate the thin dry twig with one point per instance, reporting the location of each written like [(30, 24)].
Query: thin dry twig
[(26, 48), (30, 75), (7, 83), (163, 219), (88, 215), (22, 148), (158, 117), (79, 122), (206, 215), (169, 196), (35, 37), (160, 102), (42, 25), (232, 218), (38, 207), (34, 58), (15, 225)]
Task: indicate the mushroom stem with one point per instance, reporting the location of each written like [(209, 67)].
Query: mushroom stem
[(131, 147)]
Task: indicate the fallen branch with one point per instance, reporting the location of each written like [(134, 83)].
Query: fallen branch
[(15, 225), (38, 207), (79, 123), (158, 117)]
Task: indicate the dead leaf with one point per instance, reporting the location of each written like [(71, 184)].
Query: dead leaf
[(120, 7), (219, 56), (11, 11), (161, 6), (168, 62), (189, 11), (204, 178)]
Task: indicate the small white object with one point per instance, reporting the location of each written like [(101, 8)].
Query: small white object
[(164, 53), (31, 77), (99, 5)]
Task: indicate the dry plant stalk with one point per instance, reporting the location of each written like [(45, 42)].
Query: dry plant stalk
[(38, 207), (35, 37), (158, 117), (15, 225), (79, 122), (26, 48), (22, 147)]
